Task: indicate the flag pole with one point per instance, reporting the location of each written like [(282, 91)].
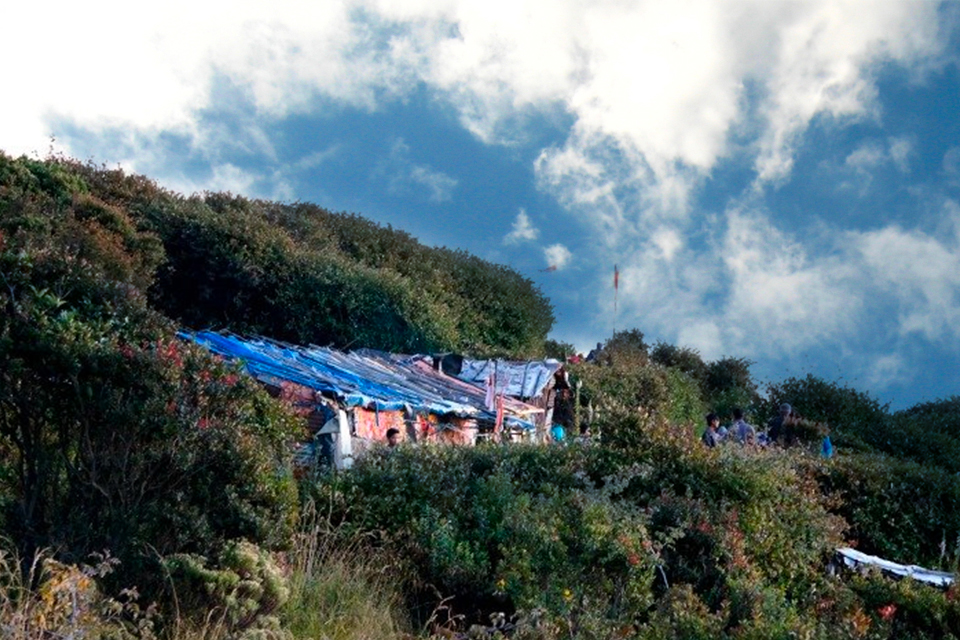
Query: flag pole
[(616, 290)]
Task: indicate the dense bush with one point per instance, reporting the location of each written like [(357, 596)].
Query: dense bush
[(728, 385), (301, 273), (622, 383), (685, 359), (115, 436), (897, 509), (722, 385), (925, 434), (855, 418), (241, 592), (593, 537)]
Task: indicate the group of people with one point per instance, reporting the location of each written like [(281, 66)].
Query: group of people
[(780, 429)]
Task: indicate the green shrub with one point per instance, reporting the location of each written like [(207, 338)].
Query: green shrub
[(729, 385), (907, 609), (897, 509), (115, 436), (623, 385), (502, 529), (241, 593), (44, 598), (851, 414), (591, 538)]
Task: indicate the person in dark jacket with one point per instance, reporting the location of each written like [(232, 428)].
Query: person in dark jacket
[(780, 424), (711, 437)]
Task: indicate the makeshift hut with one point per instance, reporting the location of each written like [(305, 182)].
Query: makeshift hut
[(350, 400)]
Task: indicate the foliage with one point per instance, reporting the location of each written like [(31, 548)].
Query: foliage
[(626, 347), (503, 528), (723, 384), (684, 359), (898, 509), (114, 435), (51, 599), (340, 587), (850, 413), (301, 273), (907, 609), (590, 538), (729, 385), (628, 384), (925, 433), (558, 350), (240, 594)]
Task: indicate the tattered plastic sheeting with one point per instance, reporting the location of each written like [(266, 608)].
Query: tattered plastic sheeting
[(853, 558), (357, 381), (365, 378), (517, 379)]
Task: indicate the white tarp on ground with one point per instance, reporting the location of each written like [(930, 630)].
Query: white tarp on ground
[(515, 379), (854, 558)]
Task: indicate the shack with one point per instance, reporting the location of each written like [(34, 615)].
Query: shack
[(350, 400)]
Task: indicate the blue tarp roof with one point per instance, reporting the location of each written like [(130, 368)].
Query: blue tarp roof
[(365, 378)]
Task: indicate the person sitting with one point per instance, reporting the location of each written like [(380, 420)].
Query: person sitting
[(778, 424), (711, 437), (393, 437), (743, 432)]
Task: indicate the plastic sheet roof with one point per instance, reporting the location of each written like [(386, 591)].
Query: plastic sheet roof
[(518, 379), (364, 378), (854, 558)]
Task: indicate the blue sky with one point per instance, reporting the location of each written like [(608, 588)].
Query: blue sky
[(776, 180)]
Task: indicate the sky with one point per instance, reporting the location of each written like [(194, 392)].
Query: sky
[(778, 181)]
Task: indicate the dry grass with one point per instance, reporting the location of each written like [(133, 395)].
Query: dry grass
[(48, 599), (340, 588)]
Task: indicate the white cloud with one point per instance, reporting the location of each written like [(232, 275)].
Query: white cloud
[(404, 174), (871, 154), (557, 256), (522, 230), (919, 271), (663, 82), (781, 293), (885, 370), (223, 177), (866, 157), (821, 62), (658, 93), (901, 149), (439, 185)]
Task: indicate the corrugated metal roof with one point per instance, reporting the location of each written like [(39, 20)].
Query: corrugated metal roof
[(363, 378)]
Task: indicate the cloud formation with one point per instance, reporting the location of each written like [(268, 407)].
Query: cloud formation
[(658, 96), (404, 174), (523, 230), (557, 256)]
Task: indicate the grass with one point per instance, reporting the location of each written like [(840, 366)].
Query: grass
[(340, 590)]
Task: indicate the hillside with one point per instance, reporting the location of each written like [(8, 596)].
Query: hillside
[(292, 271), (147, 490)]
